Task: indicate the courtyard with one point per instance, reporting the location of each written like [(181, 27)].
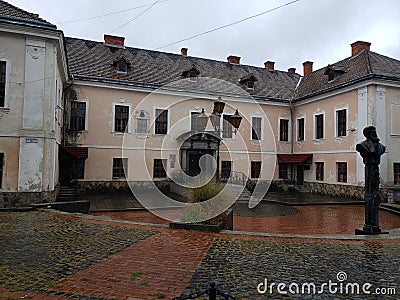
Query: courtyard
[(132, 254)]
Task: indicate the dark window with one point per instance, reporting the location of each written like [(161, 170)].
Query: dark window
[(118, 167), (319, 126), (255, 169), (79, 169), (226, 126), (122, 66), (161, 125), (396, 172), (192, 76), (2, 83), (158, 168), (121, 118), (256, 128), (319, 173), (249, 84), (341, 122), (226, 168), (1, 169), (193, 121), (284, 130), (283, 171), (78, 115), (341, 172), (300, 129)]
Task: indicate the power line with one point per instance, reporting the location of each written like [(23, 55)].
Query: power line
[(227, 25), (142, 13), (108, 14)]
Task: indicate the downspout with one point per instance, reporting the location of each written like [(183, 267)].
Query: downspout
[(64, 105), (291, 114)]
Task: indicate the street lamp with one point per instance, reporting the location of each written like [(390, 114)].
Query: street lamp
[(202, 120), (235, 120)]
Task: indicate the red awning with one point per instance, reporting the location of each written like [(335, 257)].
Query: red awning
[(295, 158), (77, 152)]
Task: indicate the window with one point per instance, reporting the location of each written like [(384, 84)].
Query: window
[(284, 130), (255, 128), (193, 121), (319, 126), (249, 84), (161, 125), (395, 120), (2, 83), (396, 172), (226, 168), (192, 77), (142, 122), (319, 173), (78, 116), (255, 169), (118, 168), (1, 169), (121, 118), (341, 171), (158, 168), (283, 171), (300, 129), (341, 122), (122, 66), (226, 126)]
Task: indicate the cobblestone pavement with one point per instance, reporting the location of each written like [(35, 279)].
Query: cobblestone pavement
[(49, 255)]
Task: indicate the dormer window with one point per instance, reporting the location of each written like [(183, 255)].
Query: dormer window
[(192, 74), (121, 66), (334, 72), (248, 81)]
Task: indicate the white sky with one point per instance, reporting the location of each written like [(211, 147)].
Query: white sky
[(316, 30)]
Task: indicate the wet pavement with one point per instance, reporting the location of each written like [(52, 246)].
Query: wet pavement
[(114, 255)]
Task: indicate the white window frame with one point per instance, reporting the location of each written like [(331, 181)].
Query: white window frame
[(86, 101), (121, 103), (279, 129), (315, 125), (221, 127), (297, 128), (7, 84), (168, 120), (190, 117), (394, 131), (262, 128), (337, 123)]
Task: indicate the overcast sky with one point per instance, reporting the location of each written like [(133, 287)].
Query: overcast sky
[(316, 30)]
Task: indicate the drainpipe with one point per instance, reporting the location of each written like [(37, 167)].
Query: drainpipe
[(64, 105)]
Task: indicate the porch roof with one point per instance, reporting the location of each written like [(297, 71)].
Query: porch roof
[(77, 152), (295, 158)]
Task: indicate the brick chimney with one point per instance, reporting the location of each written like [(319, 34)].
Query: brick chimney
[(184, 51), (307, 68), (270, 65), (114, 40), (292, 70), (359, 46), (234, 59)]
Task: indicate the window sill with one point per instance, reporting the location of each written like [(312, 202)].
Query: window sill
[(319, 140), (119, 133)]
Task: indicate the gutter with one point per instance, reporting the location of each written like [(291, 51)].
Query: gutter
[(29, 23)]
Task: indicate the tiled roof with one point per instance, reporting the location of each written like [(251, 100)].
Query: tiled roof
[(366, 64), (89, 60), (12, 13)]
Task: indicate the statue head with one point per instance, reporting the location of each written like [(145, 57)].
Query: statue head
[(370, 133)]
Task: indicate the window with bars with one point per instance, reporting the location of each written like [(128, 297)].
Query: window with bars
[(159, 169), (3, 66), (121, 118), (300, 129), (161, 124), (118, 168), (1, 169), (78, 116), (193, 121), (226, 126), (396, 173), (255, 169), (283, 171), (341, 171), (319, 171), (284, 130), (319, 126), (341, 122), (226, 168), (256, 128)]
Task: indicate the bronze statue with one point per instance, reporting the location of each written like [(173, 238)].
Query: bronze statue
[(371, 151)]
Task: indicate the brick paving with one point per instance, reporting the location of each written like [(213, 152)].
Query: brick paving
[(62, 256)]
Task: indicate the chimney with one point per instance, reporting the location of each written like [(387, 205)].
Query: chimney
[(234, 59), (292, 70), (269, 65), (307, 67), (114, 40), (359, 46), (184, 51)]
